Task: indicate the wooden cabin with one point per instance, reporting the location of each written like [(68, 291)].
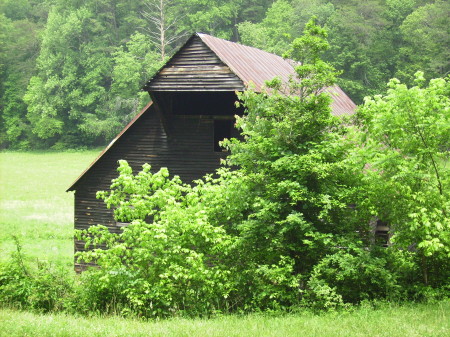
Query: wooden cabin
[(193, 108)]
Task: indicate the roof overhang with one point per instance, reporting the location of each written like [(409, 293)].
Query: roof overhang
[(125, 129)]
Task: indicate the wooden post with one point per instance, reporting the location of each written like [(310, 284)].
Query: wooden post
[(164, 112)]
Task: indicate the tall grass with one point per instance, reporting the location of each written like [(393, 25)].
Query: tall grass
[(420, 320), (34, 205)]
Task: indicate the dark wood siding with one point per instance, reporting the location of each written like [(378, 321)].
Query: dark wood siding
[(189, 154), (195, 68)]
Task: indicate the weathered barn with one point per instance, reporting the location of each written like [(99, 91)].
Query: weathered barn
[(193, 109)]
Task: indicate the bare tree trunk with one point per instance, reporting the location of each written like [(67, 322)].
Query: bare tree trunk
[(161, 25)]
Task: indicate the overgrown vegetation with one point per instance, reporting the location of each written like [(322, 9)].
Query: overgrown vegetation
[(42, 289), (407, 148)]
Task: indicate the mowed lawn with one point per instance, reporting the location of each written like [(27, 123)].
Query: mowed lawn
[(34, 204), (418, 320)]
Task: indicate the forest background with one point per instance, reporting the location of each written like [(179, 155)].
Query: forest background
[(71, 71)]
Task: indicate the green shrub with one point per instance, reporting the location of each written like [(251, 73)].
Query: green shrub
[(352, 276), (95, 293), (15, 283), (175, 263), (43, 288), (273, 287), (321, 296)]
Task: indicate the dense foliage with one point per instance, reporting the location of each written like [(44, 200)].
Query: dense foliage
[(371, 41), (70, 72), (406, 143)]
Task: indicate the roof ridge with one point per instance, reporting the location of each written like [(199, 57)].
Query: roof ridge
[(236, 43), (205, 39)]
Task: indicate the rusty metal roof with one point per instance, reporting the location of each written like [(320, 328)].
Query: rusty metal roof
[(248, 63), (341, 104), (256, 66)]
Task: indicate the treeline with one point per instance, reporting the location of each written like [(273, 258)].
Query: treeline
[(71, 71)]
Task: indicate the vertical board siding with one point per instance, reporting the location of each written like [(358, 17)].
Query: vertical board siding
[(189, 154), (195, 68)]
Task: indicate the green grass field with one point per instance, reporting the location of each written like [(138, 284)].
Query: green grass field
[(34, 205), (420, 320)]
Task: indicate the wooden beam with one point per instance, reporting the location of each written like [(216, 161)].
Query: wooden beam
[(210, 117), (164, 113)]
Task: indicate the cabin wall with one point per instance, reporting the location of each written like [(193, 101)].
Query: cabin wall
[(189, 153), (90, 211)]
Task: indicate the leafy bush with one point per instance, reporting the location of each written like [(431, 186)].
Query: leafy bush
[(404, 137), (43, 289), (321, 296), (353, 276), (173, 263), (276, 286)]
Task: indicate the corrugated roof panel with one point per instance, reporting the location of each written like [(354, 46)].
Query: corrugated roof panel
[(258, 66), (250, 64), (341, 104)]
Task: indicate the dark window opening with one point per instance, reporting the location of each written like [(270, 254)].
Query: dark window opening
[(222, 130), (148, 219), (382, 233), (203, 103)]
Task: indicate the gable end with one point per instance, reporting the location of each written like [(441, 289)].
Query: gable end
[(195, 67)]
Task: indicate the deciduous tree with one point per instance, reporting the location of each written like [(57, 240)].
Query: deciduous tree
[(406, 139)]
